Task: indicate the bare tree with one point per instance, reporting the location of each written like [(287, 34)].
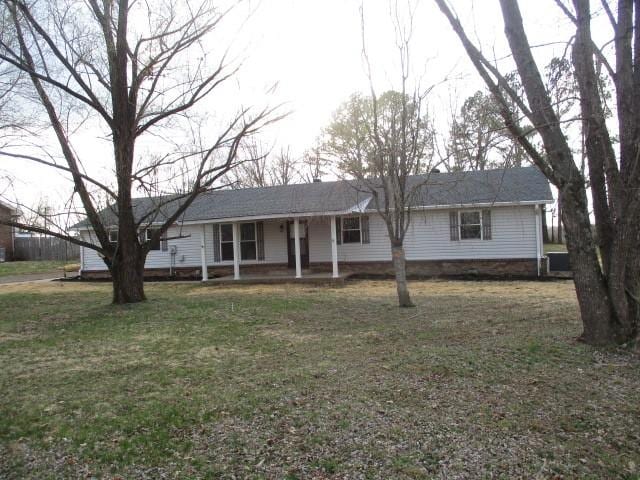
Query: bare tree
[(382, 142), (252, 169), (314, 164), (479, 138), (137, 69), (259, 166), (283, 168), (608, 291), (476, 133)]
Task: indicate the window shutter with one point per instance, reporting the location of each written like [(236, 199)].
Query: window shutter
[(453, 226), (260, 239), (338, 230), (364, 226), (164, 243), (216, 243), (486, 224)]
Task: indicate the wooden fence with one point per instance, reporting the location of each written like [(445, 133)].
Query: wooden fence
[(45, 248)]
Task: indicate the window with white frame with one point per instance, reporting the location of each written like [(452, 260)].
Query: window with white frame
[(351, 230), (113, 236), (248, 243), (471, 225), (148, 234)]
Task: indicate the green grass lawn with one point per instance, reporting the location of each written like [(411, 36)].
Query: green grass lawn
[(481, 380), (26, 267)]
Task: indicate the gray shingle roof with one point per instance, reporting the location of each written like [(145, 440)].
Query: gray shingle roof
[(526, 184)]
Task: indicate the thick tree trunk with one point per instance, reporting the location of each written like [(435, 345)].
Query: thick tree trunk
[(400, 269), (127, 264), (633, 290), (623, 278), (127, 275), (560, 220), (595, 306)]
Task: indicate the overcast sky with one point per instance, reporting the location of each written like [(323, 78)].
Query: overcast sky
[(312, 51)]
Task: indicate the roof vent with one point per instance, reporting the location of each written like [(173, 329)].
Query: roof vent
[(317, 180)]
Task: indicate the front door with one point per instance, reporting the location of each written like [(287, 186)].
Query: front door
[(304, 245)]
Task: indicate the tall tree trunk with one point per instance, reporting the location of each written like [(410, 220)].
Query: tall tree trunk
[(633, 289), (127, 273), (127, 263), (624, 278), (591, 290), (400, 269), (560, 220)]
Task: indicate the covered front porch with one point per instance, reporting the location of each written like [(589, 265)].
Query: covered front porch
[(270, 250)]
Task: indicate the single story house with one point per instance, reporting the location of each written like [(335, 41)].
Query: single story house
[(7, 232), (463, 223)]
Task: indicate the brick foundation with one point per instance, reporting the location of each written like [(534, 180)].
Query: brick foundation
[(506, 268), (193, 273)]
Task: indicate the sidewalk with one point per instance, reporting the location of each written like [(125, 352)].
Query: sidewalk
[(31, 277)]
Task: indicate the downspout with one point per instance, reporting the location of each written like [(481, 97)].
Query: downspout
[(172, 259), (203, 254), (81, 261)]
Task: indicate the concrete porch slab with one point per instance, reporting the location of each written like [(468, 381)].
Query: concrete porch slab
[(281, 277)]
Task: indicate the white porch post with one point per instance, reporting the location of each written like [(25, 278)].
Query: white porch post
[(538, 236), (296, 235), (334, 247), (236, 251), (203, 256)]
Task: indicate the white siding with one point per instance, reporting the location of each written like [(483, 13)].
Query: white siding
[(90, 258), (320, 240), (513, 236), (513, 232), (188, 248), (275, 242), (428, 238), (378, 249), (188, 253)]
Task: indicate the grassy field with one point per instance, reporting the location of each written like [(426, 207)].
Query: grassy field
[(27, 267), (481, 380)]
